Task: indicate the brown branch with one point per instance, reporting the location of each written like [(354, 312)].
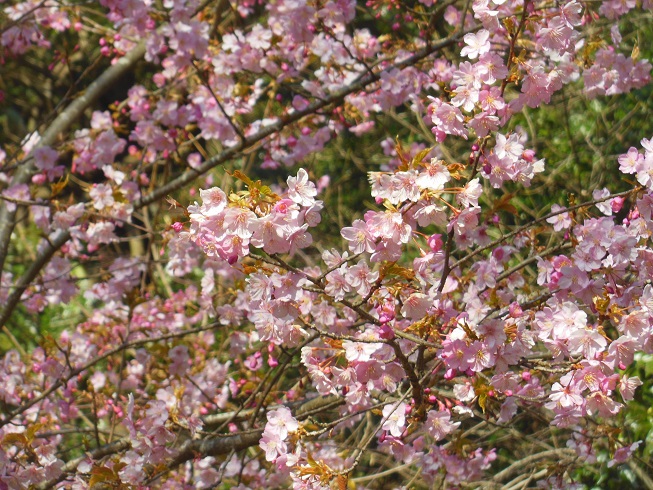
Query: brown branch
[(60, 125), (559, 455), (220, 445)]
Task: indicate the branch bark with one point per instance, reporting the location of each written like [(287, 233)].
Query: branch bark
[(60, 125)]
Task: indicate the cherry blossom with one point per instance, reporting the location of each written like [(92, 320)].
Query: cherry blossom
[(262, 337)]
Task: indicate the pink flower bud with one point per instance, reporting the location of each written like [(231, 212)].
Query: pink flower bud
[(526, 375), (386, 332), (386, 313), (528, 155), (39, 179), (515, 310), (435, 242), (322, 183), (385, 318), (616, 204), (432, 399), (177, 226)]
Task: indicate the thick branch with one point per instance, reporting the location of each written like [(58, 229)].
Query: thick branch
[(522, 464), (221, 445), (60, 125)]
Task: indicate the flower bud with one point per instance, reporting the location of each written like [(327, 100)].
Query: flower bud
[(616, 204), (435, 242), (515, 310)]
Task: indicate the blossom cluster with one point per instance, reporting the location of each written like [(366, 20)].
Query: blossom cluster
[(226, 227), (435, 311)]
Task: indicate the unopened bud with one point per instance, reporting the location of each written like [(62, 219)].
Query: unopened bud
[(616, 204), (435, 242)]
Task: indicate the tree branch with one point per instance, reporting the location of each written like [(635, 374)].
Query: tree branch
[(60, 125)]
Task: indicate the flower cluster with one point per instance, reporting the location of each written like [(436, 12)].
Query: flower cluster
[(225, 227), (436, 311)]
